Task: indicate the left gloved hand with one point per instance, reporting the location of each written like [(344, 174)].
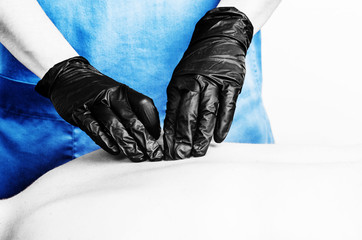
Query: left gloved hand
[(205, 85)]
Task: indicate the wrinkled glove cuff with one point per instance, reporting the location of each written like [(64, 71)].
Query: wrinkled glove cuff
[(45, 85), (224, 22)]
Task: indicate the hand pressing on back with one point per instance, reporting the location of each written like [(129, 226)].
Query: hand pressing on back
[(202, 94), (117, 118)]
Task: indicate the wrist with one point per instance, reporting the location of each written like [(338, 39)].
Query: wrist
[(224, 22), (51, 61), (45, 85)]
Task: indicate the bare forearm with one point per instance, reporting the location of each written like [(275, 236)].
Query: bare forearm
[(258, 11), (31, 37)]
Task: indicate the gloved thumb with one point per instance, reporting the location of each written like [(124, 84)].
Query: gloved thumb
[(146, 111), (226, 112)]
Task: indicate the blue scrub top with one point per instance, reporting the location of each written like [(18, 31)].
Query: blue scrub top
[(136, 42)]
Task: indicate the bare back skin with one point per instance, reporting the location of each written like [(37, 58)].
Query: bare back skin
[(237, 191)]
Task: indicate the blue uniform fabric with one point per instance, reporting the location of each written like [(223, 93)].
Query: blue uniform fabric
[(136, 42)]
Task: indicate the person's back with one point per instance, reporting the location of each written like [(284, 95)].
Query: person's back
[(237, 191)]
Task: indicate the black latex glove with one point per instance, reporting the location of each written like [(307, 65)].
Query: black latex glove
[(205, 85), (116, 117)]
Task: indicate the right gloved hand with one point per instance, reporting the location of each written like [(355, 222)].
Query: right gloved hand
[(202, 94), (116, 117)]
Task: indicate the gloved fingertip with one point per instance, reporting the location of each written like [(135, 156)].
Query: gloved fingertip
[(113, 150), (198, 153), (218, 138), (220, 134), (135, 154), (110, 146), (199, 150), (157, 156), (137, 159), (182, 150), (155, 153)]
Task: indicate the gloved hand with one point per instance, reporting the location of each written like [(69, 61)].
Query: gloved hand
[(116, 117), (205, 84)]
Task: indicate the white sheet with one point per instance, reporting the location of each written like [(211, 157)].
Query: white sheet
[(238, 191)]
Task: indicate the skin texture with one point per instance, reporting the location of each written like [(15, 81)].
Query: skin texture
[(238, 191)]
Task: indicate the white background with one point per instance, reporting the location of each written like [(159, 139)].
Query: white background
[(312, 69)]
